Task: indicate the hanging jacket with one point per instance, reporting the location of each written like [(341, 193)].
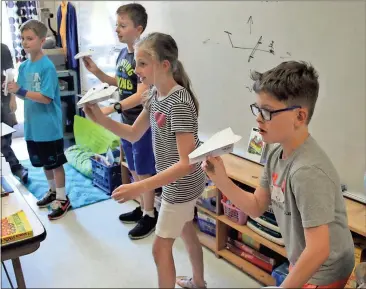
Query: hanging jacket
[(72, 46)]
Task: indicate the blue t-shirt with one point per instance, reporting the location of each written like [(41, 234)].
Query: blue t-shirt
[(42, 122)]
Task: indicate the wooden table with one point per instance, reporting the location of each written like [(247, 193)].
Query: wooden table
[(12, 251)]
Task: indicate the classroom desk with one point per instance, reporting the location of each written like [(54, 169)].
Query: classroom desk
[(249, 173), (12, 251)]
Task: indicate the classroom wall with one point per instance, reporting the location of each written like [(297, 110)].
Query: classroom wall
[(329, 34)]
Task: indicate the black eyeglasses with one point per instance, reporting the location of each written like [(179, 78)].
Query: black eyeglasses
[(267, 114)]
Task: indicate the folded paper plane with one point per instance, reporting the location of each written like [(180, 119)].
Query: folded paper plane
[(97, 94), (219, 144), (84, 54)]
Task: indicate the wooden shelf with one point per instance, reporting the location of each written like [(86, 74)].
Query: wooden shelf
[(243, 171), (208, 212), (244, 229), (356, 216), (247, 267)]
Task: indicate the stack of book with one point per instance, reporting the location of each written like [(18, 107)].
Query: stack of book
[(15, 227)]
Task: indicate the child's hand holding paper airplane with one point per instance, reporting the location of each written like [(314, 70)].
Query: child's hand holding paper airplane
[(97, 94), (9, 77), (215, 169)]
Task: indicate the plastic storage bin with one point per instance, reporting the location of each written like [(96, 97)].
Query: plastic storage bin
[(234, 214), (206, 224), (104, 177)]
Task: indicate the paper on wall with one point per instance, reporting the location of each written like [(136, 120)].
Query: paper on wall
[(220, 143)]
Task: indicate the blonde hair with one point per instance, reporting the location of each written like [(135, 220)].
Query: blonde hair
[(163, 47), (36, 26)]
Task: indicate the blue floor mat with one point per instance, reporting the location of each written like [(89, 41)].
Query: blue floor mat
[(79, 188)]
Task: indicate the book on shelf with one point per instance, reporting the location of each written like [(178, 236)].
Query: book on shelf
[(251, 255), (15, 227)]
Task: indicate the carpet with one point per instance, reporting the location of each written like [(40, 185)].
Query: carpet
[(79, 188)]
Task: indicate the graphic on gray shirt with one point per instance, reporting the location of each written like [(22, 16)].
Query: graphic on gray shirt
[(306, 192)]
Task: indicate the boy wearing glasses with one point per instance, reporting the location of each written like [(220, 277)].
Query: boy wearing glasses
[(299, 181)]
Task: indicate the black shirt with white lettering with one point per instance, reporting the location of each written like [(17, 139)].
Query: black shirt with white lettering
[(127, 82)]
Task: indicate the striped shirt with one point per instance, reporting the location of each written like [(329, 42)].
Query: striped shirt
[(168, 116)]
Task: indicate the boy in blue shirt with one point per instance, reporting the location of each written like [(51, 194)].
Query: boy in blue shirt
[(38, 85)]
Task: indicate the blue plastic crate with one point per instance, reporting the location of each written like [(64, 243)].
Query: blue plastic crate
[(104, 177), (280, 273), (209, 204)]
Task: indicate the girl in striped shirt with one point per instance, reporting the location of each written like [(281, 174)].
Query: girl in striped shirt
[(171, 110)]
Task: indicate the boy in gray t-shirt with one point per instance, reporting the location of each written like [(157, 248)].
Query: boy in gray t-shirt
[(299, 180)]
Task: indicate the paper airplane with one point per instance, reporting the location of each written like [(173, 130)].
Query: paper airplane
[(9, 77), (219, 144), (97, 94), (84, 54), (5, 129)]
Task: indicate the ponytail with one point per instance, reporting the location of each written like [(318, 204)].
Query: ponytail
[(181, 77)]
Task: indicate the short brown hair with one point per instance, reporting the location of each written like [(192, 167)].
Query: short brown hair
[(36, 26), (136, 12), (291, 82)]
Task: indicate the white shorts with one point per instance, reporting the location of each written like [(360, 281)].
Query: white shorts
[(173, 217)]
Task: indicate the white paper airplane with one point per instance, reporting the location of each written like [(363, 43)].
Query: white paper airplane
[(97, 94), (219, 144), (83, 54), (9, 77), (6, 129)]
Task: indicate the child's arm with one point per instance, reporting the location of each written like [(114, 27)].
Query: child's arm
[(185, 144), (314, 193), (131, 101), (131, 133), (21, 92), (253, 205), (315, 254), (93, 68)]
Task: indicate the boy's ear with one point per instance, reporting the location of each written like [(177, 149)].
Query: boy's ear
[(140, 29), (302, 115)]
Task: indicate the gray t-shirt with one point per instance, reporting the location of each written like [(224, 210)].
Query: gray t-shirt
[(306, 192)]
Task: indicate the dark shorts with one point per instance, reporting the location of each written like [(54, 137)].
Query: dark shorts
[(140, 155), (48, 154)]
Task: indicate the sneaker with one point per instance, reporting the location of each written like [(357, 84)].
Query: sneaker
[(22, 174), (59, 208), (144, 227), (47, 199), (131, 217)]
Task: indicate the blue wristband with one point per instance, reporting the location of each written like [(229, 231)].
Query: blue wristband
[(22, 92)]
